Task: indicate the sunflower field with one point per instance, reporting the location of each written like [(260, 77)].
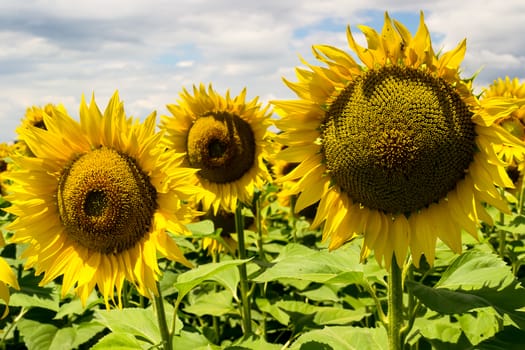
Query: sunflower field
[(383, 208)]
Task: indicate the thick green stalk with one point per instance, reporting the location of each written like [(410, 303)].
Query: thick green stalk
[(161, 319), (395, 306), (258, 225), (245, 298)]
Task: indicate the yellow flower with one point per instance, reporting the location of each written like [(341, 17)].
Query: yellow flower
[(4, 153), (397, 149), (96, 200), (226, 139), (35, 116), (513, 122), (7, 278)]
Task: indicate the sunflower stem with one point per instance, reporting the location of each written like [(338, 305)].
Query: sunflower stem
[(215, 319), (395, 306), (413, 304), (7, 331), (521, 194), (380, 312), (258, 224), (293, 199), (161, 319), (245, 300), (502, 236)]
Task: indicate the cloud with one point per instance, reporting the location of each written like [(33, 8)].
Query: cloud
[(55, 51)]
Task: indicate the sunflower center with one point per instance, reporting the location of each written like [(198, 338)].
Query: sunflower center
[(397, 139), (96, 202), (105, 201), (222, 145)]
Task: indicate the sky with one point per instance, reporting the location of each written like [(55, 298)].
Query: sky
[(149, 50)]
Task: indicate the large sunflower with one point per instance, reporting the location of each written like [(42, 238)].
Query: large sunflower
[(396, 148), (226, 139), (96, 200)]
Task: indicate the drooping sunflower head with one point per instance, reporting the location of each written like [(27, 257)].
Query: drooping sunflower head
[(96, 199), (225, 138), (396, 148)]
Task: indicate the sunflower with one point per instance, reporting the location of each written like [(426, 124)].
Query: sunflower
[(4, 154), (96, 200), (35, 115), (226, 139), (397, 148), (7, 278), (513, 122)]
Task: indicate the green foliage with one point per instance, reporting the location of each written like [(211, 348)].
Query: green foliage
[(302, 296)]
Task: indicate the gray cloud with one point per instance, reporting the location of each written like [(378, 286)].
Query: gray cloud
[(55, 51)]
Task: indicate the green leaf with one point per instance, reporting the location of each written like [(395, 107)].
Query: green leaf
[(74, 307), (228, 278), (201, 228), (254, 344), (193, 341), (31, 295), (190, 279), (323, 293), (72, 337), (322, 315), (299, 262), (475, 279), (433, 326), (141, 323), (44, 336), (167, 282), (510, 338), (476, 269), (446, 301), (215, 304), (37, 336), (480, 324), (274, 310), (343, 338), (120, 341)]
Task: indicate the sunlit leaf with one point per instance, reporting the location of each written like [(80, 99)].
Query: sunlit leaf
[(321, 266), (322, 315), (44, 336), (215, 304), (343, 338), (476, 269), (138, 322), (254, 344), (120, 341), (193, 341), (190, 279)]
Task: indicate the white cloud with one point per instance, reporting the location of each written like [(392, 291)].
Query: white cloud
[(55, 51)]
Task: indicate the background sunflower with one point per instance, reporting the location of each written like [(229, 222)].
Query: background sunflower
[(226, 139)]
